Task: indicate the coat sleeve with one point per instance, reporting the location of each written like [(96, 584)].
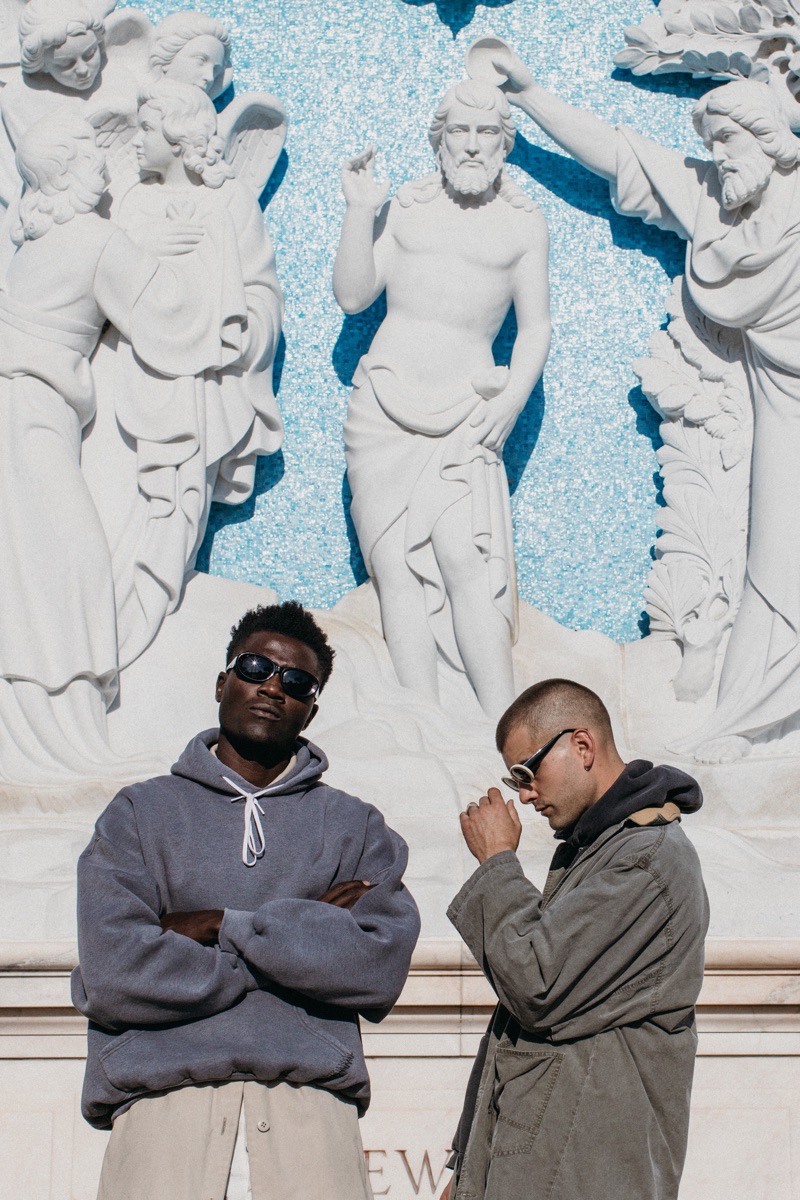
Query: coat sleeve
[(357, 958), (557, 969), (131, 974)]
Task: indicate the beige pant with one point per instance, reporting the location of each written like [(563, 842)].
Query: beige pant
[(302, 1143)]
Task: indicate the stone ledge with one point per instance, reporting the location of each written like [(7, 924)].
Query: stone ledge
[(446, 955)]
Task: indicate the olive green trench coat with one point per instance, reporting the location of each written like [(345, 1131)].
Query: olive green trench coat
[(584, 1076)]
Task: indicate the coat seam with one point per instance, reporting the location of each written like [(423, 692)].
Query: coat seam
[(573, 1122)]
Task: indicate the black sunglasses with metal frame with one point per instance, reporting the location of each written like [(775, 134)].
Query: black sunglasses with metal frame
[(524, 773), (257, 668)]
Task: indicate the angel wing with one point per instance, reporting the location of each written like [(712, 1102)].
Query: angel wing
[(113, 133), (129, 41), (253, 128)]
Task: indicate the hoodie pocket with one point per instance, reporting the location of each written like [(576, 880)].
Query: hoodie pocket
[(260, 1038), (524, 1083)]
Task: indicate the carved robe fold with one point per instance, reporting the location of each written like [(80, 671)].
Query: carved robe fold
[(412, 459), (58, 621), (744, 273), (162, 447)]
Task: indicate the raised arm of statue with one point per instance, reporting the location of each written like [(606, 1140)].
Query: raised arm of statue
[(358, 279), (585, 137)]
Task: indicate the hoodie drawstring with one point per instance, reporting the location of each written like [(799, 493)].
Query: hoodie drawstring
[(253, 842)]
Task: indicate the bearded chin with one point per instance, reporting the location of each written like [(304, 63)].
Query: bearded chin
[(746, 182), (470, 180)]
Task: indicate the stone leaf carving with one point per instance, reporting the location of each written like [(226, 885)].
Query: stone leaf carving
[(694, 377), (721, 39)]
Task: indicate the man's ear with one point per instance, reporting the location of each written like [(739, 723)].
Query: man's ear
[(585, 743), (312, 713), (223, 675)]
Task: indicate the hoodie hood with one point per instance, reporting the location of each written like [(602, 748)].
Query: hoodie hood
[(641, 785), (201, 766)]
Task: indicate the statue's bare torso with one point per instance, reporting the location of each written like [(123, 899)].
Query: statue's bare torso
[(451, 274)]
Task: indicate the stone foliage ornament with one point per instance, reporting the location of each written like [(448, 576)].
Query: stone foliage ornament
[(431, 412), (695, 379), (740, 215), (721, 39), (176, 404)]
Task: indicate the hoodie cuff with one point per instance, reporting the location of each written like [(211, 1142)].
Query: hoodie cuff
[(235, 931)]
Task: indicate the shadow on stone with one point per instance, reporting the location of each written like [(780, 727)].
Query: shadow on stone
[(275, 180), (270, 470), (355, 338), (456, 14), (356, 558), (525, 434), (589, 193)]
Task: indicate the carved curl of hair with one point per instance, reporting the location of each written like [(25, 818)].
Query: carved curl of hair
[(46, 24), (475, 94), (755, 107), (180, 28), (189, 120), (57, 187)]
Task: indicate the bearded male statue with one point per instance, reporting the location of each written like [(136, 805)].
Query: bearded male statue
[(741, 217), (430, 411)]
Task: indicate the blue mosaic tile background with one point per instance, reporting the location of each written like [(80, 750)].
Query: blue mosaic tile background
[(581, 461)]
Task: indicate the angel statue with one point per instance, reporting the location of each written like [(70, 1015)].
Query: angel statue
[(72, 272), (65, 63), (190, 47), (162, 448)]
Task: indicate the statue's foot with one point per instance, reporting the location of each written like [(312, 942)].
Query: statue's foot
[(722, 750)]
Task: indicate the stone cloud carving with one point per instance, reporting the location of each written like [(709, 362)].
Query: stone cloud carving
[(430, 411)]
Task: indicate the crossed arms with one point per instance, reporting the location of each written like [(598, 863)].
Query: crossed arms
[(133, 973)]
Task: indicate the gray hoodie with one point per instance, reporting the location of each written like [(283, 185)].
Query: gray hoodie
[(279, 997)]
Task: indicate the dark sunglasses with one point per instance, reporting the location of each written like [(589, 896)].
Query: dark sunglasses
[(257, 668), (523, 774)]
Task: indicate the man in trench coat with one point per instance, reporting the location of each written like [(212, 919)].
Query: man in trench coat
[(581, 1087)]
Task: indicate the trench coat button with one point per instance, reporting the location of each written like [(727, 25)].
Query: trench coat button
[(263, 1126)]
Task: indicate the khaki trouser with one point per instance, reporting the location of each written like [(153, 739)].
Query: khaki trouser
[(302, 1143)]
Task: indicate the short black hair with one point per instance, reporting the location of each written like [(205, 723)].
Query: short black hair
[(291, 620), (551, 705)]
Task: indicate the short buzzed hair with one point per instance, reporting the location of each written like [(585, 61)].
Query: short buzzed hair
[(552, 705)]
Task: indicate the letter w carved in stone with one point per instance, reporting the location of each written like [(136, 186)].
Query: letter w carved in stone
[(425, 1168)]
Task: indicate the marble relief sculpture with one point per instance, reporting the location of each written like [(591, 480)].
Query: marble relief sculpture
[(696, 380), (739, 213), (72, 272), (178, 402), (721, 39), (430, 411), (161, 448), (67, 61)]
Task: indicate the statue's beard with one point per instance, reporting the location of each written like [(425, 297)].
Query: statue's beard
[(744, 179), (470, 177)]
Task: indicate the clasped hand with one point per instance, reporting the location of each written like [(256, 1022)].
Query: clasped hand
[(203, 925), (491, 825), (167, 239)]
